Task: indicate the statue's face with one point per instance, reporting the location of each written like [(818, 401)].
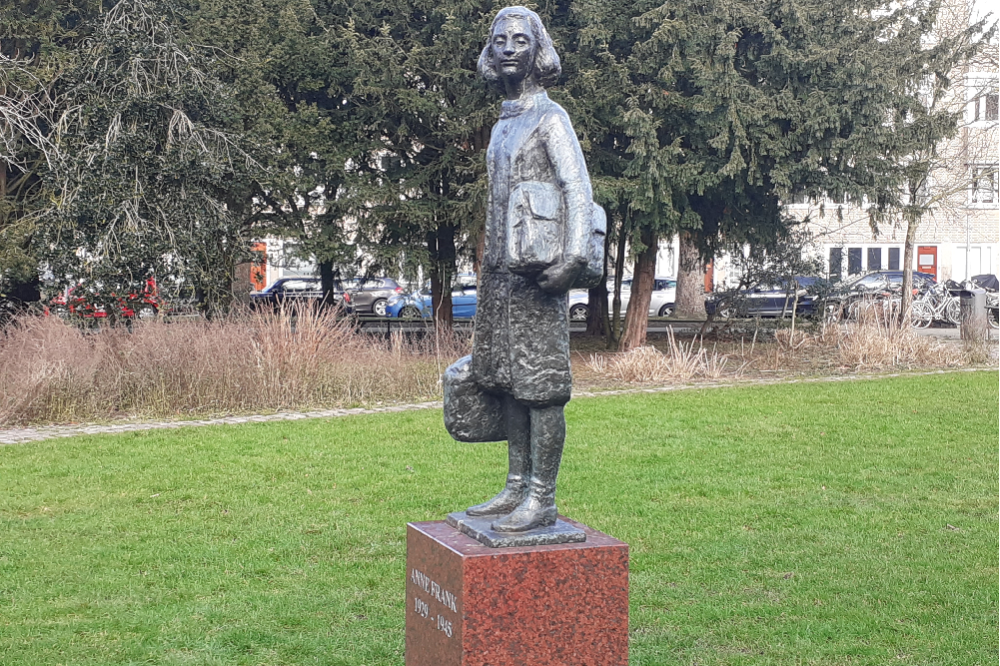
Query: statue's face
[(513, 48)]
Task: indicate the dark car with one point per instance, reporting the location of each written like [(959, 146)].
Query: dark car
[(883, 280), (989, 282), (369, 296), (289, 291), (846, 296), (876, 283), (770, 300)]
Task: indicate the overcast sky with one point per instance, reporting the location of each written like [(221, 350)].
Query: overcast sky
[(983, 6)]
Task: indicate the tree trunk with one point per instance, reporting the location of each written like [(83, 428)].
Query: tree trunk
[(480, 250), (614, 332), (326, 283), (637, 317), (441, 246), (597, 309), (907, 288), (30, 290), (597, 299), (690, 298)]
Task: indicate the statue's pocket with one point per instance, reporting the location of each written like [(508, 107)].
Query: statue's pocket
[(535, 240)]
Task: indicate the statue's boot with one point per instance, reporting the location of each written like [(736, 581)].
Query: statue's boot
[(537, 510), (548, 432), (505, 501), (518, 461)]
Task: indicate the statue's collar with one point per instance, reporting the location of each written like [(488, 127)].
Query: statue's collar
[(515, 107)]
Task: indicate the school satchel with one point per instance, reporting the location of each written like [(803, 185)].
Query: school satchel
[(535, 242), (593, 271), (470, 413)]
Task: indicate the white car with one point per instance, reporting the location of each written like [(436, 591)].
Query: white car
[(660, 305)]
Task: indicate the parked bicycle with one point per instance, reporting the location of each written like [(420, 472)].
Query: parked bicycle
[(936, 303), (882, 301)]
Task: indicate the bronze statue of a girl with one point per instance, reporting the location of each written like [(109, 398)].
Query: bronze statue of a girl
[(544, 235)]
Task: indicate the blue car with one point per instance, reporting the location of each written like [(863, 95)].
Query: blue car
[(418, 304)]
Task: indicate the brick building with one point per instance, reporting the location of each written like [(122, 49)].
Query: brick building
[(959, 235)]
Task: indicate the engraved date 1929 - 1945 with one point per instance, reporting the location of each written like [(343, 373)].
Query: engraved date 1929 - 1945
[(423, 610), (446, 598)]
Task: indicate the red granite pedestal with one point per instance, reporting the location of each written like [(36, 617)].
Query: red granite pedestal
[(471, 605)]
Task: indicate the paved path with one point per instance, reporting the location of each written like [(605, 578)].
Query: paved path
[(24, 435)]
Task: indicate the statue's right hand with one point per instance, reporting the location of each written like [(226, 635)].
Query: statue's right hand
[(558, 278)]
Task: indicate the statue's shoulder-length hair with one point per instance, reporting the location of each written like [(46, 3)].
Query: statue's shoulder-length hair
[(547, 66)]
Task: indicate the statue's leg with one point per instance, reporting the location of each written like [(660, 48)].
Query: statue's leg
[(518, 460), (548, 433)]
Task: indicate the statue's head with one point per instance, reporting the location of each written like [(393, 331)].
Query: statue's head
[(519, 46)]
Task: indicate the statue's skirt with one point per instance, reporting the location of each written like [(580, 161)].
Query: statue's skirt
[(521, 344)]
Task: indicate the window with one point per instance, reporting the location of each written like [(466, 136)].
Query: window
[(872, 282), (853, 260), (300, 285), (983, 98), (874, 259), (986, 107), (893, 258), (983, 185), (836, 263)]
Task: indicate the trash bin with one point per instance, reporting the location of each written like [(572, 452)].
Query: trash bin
[(973, 304)]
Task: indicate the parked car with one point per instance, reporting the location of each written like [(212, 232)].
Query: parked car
[(92, 302), (876, 284), (288, 291), (849, 297), (883, 280), (369, 296), (986, 281), (418, 304), (768, 300), (661, 304), (989, 282)]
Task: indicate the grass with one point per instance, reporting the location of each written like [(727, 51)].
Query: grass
[(835, 523)]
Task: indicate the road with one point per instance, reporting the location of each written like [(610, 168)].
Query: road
[(388, 326)]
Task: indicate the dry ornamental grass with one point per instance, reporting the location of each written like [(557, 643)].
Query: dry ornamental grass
[(52, 371), (878, 342), (872, 343), (680, 362)]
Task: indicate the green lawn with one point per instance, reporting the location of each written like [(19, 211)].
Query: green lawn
[(831, 523)]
